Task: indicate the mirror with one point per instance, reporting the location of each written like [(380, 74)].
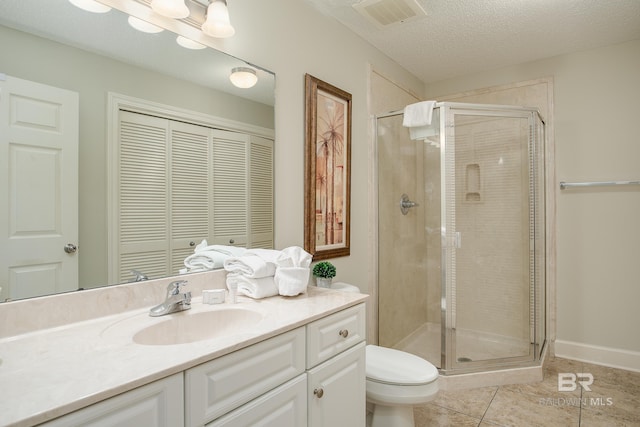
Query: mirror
[(54, 43)]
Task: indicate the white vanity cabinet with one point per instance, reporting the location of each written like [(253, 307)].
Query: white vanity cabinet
[(313, 376), (159, 404), (222, 385), (336, 376)]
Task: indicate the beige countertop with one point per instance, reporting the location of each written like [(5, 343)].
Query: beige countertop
[(47, 373)]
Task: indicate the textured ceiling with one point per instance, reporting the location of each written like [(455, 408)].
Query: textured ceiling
[(459, 37)]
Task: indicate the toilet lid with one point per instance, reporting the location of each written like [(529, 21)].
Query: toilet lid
[(398, 367)]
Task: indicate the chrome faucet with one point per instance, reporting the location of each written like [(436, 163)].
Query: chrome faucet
[(175, 301)]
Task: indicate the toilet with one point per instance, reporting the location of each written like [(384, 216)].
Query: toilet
[(396, 381)]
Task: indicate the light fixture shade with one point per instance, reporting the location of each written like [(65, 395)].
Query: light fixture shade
[(243, 77), (143, 26), (90, 6), (170, 8), (217, 23), (189, 44)]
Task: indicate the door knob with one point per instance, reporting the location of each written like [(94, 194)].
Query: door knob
[(70, 248)]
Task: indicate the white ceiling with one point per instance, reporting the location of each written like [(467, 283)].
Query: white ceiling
[(459, 37)]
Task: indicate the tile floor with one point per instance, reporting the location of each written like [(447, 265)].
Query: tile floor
[(614, 400)]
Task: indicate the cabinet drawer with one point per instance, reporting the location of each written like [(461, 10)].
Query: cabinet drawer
[(159, 404), (215, 388), (283, 406), (333, 334)]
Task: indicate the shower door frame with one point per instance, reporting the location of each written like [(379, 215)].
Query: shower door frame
[(449, 363)]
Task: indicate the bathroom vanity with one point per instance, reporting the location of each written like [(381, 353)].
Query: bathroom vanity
[(283, 361)]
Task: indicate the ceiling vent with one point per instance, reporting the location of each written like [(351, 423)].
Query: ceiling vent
[(387, 13)]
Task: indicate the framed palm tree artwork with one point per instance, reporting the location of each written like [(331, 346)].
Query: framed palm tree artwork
[(327, 169)]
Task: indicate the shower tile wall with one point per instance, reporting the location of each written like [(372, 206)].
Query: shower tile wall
[(402, 292), (492, 216)]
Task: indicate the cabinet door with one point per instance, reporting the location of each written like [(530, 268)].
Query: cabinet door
[(159, 404), (285, 406), (260, 192), (336, 390), (223, 384), (191, 204), (230, 189)]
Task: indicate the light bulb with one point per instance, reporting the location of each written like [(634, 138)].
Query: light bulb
[(90, 6), (217, 23), (243, 77), (170, 8), (143, 26)]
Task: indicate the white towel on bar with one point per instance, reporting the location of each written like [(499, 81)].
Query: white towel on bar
[(254, 288), (251, 266), (418, 114)]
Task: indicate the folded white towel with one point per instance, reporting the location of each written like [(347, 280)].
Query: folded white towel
[(205, 260), (209, 257), (292, 281), (251, 266), (418, 114), (254, 288), (269, 255), (298, 256)]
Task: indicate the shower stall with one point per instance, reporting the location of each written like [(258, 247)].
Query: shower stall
[(461, 237)]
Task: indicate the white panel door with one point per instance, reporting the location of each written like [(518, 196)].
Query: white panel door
[(38, 188)]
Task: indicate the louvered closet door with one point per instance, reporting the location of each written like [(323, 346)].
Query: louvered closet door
[(230, 188), (261, 192), (143, 197), (191, 201)]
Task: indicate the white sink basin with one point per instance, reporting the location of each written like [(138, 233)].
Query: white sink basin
[(186, 327)]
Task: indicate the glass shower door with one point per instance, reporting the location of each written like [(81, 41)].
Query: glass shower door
[(489, 226)]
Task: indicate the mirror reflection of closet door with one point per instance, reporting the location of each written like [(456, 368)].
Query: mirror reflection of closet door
[(38, 189), (164, 199)]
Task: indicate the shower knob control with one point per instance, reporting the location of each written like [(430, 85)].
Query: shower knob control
[(406, 204)]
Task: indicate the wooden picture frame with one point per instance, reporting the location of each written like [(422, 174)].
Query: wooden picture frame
[(327, 204)]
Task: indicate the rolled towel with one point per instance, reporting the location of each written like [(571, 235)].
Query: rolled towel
[(251, 266), (298, 256), (418, 114), (291, 281), (254, 288)]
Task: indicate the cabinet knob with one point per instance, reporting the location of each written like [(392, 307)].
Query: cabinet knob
[(344, 333), (319, 392), (192, 243), (231, 241)]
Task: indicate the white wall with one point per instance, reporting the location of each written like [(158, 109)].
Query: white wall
[(596, 95), (291, 38)]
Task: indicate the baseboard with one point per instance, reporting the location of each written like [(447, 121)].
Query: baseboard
[(607, 356)]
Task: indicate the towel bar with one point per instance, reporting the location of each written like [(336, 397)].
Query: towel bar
[(564, 185)]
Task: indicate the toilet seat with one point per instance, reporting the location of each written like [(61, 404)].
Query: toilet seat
[(394, 367)]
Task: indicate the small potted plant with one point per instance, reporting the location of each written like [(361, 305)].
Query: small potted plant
[(324, 272)]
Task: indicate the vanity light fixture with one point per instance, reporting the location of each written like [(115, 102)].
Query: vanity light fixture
[(189, 44), (90, 6), (217, 23), (243, 77), (143, 26), (170, 8)]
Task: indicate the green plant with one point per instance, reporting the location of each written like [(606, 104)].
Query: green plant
[(324, 269)]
